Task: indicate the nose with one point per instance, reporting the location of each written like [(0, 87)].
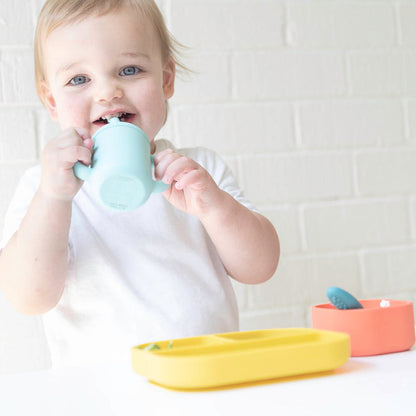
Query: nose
[(107, 90)]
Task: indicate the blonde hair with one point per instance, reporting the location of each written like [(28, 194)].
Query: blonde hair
[(56, 13)]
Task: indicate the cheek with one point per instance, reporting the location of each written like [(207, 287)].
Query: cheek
[(153, 96), (71, 111), (153, 105)]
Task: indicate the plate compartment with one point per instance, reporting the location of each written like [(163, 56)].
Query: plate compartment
[(240, 357)]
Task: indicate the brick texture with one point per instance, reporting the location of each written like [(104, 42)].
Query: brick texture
[(312, 104)]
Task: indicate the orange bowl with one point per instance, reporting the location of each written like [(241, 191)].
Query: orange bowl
[(373, 330)]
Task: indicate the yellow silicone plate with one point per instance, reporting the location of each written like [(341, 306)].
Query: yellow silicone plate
[(240, 357)]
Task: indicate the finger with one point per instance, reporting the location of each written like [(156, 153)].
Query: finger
[(68, 138), (164, 162), (162, 154), (83, 133), (85, 136), (178, 168), (88, 143), (194, 178), (70, 155)]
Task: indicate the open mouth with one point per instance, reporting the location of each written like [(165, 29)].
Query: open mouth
[(121, 116)]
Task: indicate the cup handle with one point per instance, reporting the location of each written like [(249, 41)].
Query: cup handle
[(81, 171), (158, 186)]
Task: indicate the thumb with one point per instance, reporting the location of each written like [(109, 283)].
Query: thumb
[(85, 136)]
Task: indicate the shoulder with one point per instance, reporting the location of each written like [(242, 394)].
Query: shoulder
[(197, 153), (207, 158)]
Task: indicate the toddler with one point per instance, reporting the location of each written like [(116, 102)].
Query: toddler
[(105, 281)]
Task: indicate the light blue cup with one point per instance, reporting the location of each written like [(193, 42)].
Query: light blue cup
[(121, 167)]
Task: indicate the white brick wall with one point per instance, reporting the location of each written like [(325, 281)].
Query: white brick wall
[(313, 105)]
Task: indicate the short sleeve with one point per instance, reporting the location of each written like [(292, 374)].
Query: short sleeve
[(20, 202)]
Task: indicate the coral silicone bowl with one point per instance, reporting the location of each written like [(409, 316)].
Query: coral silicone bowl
[(373, 330)]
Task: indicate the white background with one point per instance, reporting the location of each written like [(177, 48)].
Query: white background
[(313, 105)]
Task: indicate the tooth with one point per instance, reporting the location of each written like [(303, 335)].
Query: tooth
[(110, 116)]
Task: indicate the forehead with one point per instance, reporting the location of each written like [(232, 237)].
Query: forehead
[(122, 30)]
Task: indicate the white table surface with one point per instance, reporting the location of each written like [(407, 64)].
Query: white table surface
[(379, 385)]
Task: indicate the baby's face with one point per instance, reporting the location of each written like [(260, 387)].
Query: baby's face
[(106, 65)]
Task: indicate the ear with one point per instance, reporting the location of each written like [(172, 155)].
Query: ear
[(169, 78), (48, 99)]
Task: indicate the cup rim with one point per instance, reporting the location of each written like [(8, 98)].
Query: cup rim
[(368, 304), (123, 124)]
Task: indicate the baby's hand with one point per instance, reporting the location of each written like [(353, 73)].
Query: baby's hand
[(192, 188), (58, 158)]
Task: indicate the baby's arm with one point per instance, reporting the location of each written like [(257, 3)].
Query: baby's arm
[(33, 265), (246, 241)]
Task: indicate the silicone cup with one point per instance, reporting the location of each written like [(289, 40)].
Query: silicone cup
[(373, 330), (120, 171)]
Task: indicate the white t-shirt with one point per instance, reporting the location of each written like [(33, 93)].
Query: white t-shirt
[(140, 276)]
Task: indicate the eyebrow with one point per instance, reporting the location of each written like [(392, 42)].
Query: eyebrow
[(135, 55), (67, 67)]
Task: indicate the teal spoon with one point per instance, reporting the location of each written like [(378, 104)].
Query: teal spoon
[(341, 299)]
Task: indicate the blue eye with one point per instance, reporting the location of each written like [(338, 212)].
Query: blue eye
[(78, 80), (129, 70)]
